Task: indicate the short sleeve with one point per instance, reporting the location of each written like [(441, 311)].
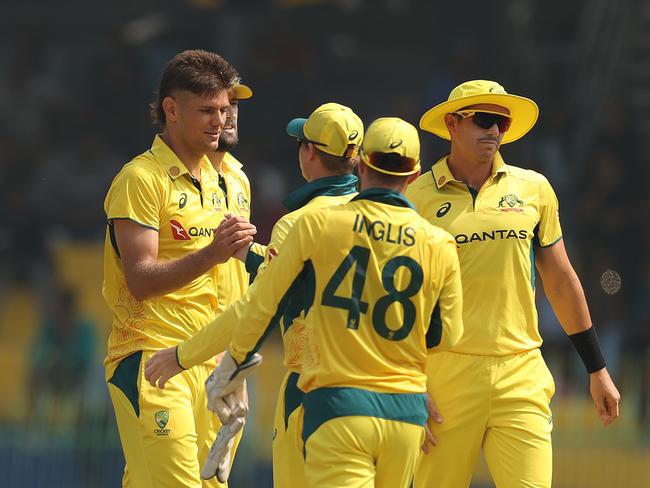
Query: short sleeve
[(135, 194), (446, 325), (548, 230)]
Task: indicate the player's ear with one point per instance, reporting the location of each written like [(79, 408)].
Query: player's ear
[(361, 167), (169, 107), (450, 122), (413, 177), (311, 150)]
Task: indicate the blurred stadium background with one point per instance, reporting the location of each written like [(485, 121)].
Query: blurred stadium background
[(74, 86)]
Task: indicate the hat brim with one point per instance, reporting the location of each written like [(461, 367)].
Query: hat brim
[(296, 128), (242, 92), (523, 111)]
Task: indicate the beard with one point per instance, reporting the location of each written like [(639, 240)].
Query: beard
[(228, 142)]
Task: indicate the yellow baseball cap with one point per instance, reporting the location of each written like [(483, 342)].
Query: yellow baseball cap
[(391, 135), (332, 128), (242, 91), (523, 111)]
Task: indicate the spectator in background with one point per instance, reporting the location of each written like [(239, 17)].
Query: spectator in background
[(24, 257), (60, 358)]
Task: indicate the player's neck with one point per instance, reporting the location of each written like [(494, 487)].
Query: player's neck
[(315, 170), (216, 158), (470, 171), (188, 156), (367, 183)]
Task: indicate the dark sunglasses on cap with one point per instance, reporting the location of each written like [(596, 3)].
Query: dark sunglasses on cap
[(305, 141), (486, 119)]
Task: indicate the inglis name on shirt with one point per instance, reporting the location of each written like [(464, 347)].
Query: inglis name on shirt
[(382, 231)]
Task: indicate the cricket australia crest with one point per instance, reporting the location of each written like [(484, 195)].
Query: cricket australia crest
[(162, 418), (511, 203)]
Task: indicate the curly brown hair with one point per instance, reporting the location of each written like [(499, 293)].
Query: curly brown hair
[(197, 71)]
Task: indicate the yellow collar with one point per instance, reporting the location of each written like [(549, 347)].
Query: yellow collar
[(442, 174), (231, 162), (169, 160)]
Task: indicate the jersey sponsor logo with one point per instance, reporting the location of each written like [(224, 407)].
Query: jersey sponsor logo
[(395, 144), (382, 231), (444, 208), (178, 232), (493, 235), (242, 201), (182, 201), (511, 203), (202, 231), (162, 418)]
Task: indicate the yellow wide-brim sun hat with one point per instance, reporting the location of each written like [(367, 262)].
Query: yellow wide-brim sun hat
[(523, 111)]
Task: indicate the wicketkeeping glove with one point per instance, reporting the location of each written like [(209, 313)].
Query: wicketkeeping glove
[(218, 460), (229, 378), (233, 405)]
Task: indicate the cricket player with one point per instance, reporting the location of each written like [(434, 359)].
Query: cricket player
[(233, 195), (166, 238), (378, 287), (328, 144), (493, 387)]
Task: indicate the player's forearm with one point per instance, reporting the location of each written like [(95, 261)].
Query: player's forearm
[(566, 296), (241, 327), (213, 339), (153, 278)]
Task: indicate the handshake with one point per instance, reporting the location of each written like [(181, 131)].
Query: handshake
[(227, 397)]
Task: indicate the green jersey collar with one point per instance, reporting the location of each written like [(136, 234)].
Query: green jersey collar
[(327, 186), (384, 195)]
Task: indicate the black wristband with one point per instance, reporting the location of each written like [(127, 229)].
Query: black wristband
[(586, 343), (177, 360)]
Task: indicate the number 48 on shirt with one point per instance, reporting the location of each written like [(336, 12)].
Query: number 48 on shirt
[(358, 258)]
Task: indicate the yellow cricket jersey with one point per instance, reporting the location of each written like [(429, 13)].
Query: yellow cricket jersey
[(377, 285), (233, 196), (156, 191), (496, 230), (321, 193)]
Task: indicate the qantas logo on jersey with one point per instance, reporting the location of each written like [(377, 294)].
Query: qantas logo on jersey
[(494, 235), (202, 231), (178, 232)]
